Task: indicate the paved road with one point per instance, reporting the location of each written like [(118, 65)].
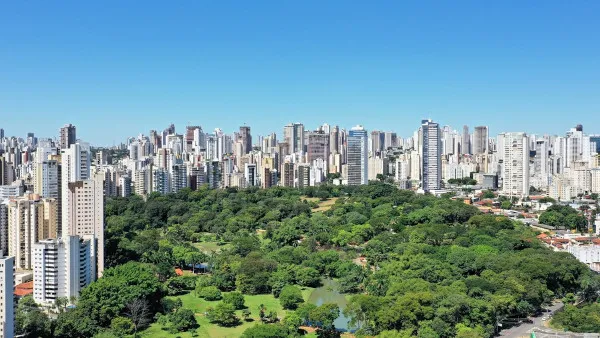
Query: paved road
[(524, 330)]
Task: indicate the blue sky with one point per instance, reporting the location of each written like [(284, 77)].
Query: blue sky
[(118, 68)]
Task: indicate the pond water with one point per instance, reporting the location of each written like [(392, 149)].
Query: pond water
[(328, 293)]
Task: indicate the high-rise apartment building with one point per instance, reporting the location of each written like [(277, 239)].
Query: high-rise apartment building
[(4, 228), (431, 161), (246, 139), (303, 175), (358, 156), (480, 140), (46, 179), (67, 136), (251, 174), (334, 140), (62, 267), (293, 135), (83, 214), (377, 142), (178, 176), (287, 174), (318, 146), (515, 171), (7, 302)]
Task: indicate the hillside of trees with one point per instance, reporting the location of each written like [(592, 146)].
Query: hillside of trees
[(435, 267)]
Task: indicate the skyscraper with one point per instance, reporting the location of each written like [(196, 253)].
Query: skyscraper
[(515, 171), (431, 163), (466, 141), (358, 156), (293, 135), (318, 146), (67, 136), (246, 139), (480, 140)]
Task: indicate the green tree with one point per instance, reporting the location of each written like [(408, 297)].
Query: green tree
[(30, 321), (183, 320), (122, 326), (236, 299), (290, 297), (267, 331), (223, 314), (210, 293)]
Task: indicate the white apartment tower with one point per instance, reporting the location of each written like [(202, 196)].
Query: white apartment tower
[(358, 156), (7, 302), (62, 268), (431, 162), (516, 165)]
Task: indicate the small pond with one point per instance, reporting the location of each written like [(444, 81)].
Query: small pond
[(328, 293)]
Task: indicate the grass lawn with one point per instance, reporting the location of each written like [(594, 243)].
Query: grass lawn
[(322, 205), (207, 329), (208, 247)]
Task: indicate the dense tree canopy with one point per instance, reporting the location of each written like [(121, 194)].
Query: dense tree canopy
[(414, 265)]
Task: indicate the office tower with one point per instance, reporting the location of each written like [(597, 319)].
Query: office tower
[(516, 165), (62, 268), (293, 135), (83, 213), (67, 136), (7, 302), (1, 133), (466, 141), (46, 179), (358, 156), (287, 174), (377, 142), (251, 174), (178, 176), (246, 139), (303, 175), (431, 150), (318, 146), (480, 140)]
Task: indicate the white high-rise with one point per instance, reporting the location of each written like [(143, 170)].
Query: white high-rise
[(62, 268), (7, 302), (431, 162), (516, 164), (46, 179), (358, 156)]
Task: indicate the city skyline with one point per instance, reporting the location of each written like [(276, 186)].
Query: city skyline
[(380, 65)]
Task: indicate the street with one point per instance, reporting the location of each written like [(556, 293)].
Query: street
[(525, 329)]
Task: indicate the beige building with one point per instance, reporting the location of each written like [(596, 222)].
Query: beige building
[(30, 219), (83, 213)]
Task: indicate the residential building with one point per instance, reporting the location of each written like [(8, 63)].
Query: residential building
[(7, 301), (62, 268), (358, 156), (431, 162), (515, 172)]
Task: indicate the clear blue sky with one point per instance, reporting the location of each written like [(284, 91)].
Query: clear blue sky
[(118, 68)]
